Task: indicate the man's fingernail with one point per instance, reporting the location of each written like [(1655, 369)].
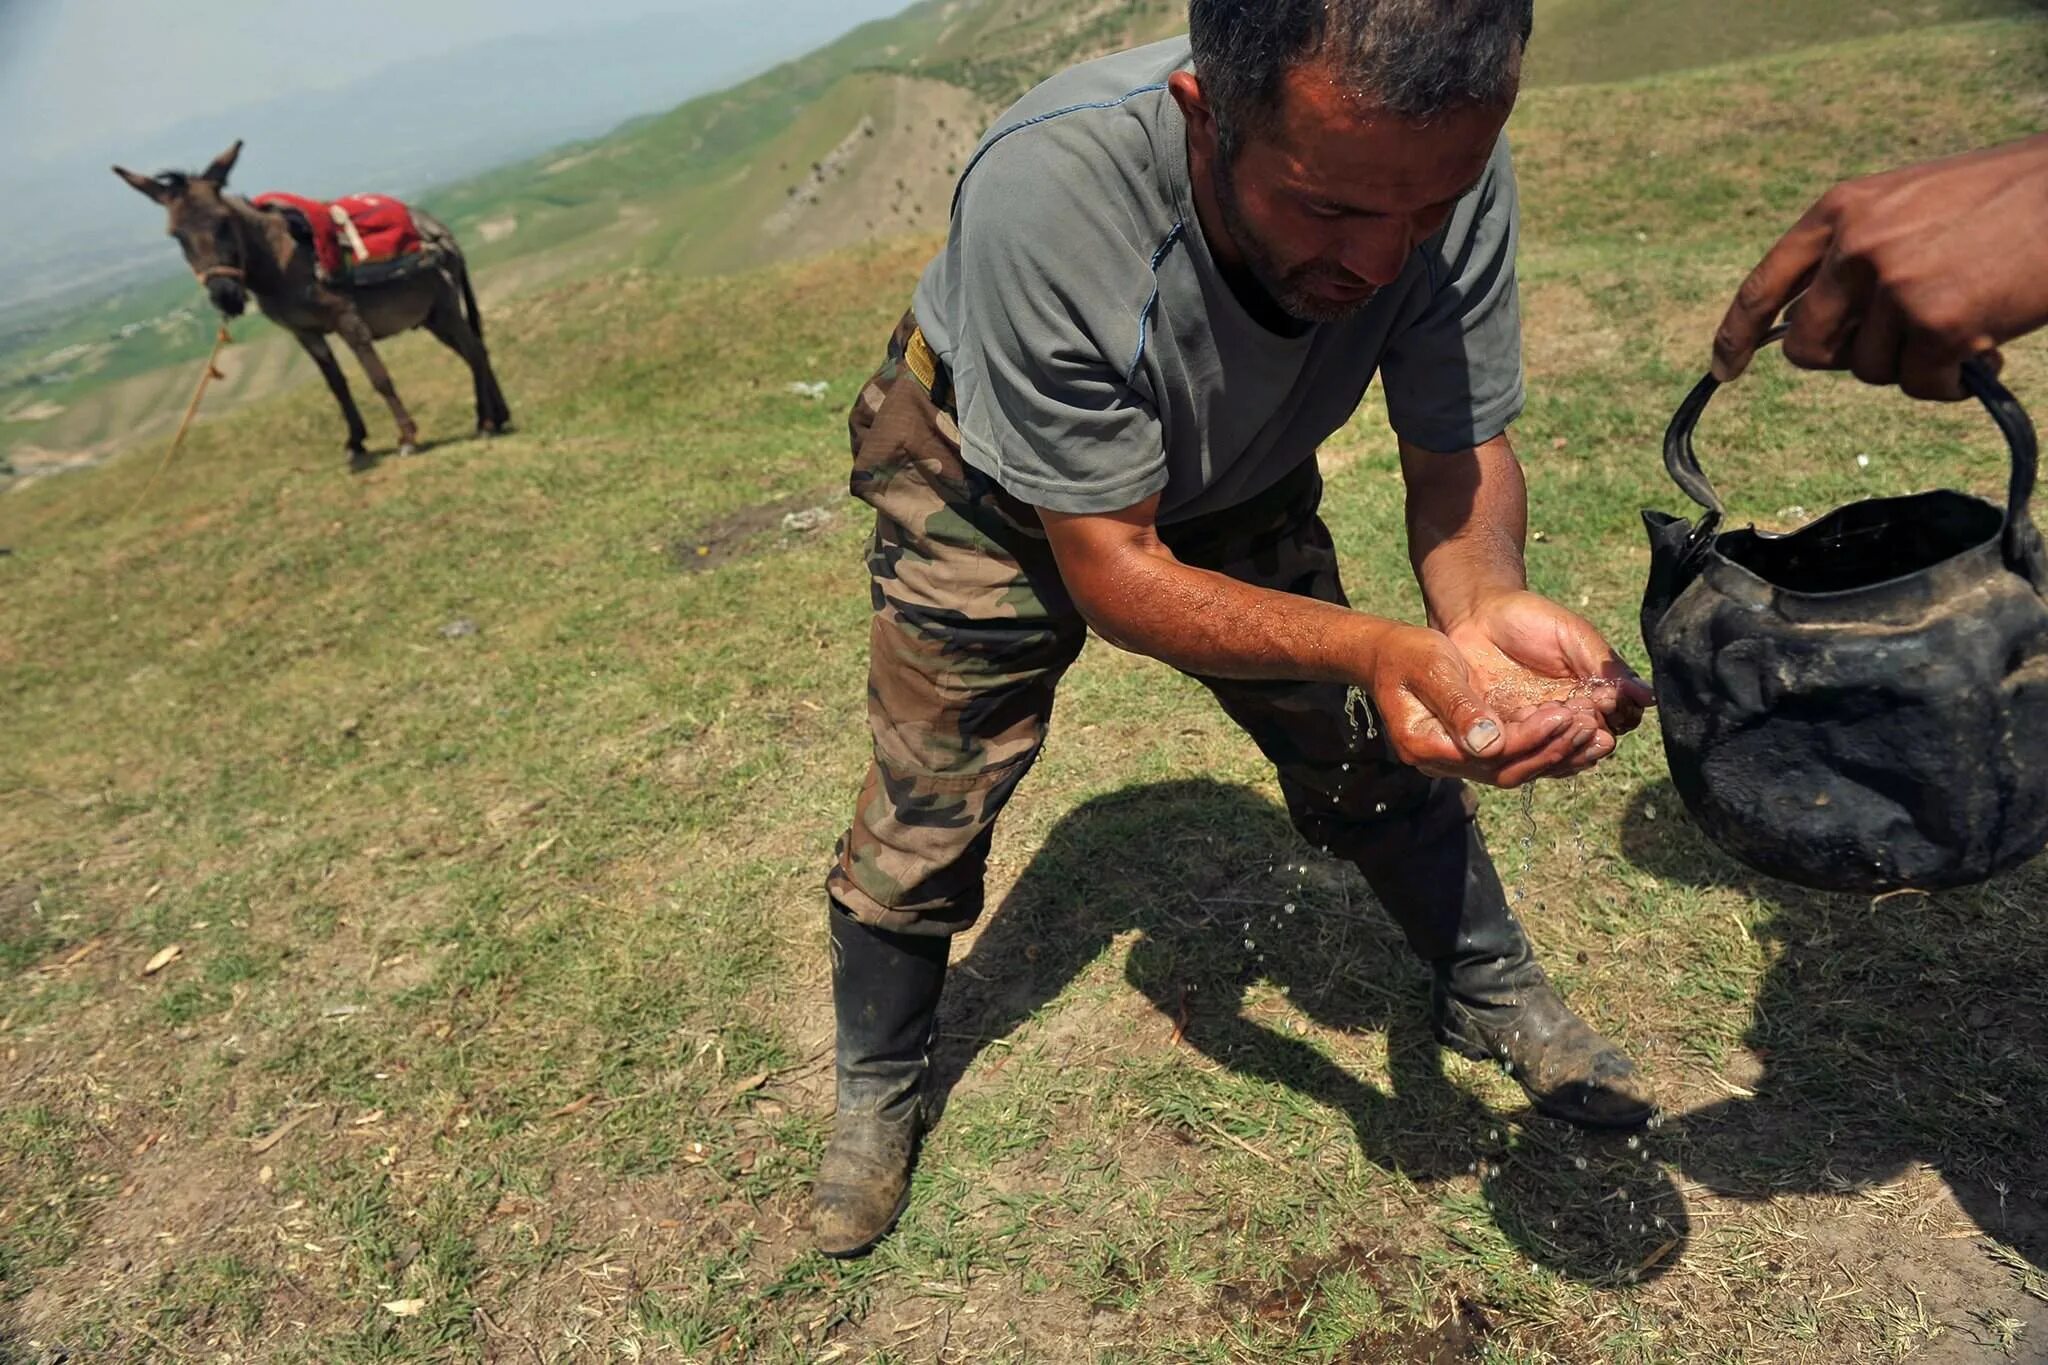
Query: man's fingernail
[(1482, 736)]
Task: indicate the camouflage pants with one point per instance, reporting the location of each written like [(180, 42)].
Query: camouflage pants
[(973, 629)]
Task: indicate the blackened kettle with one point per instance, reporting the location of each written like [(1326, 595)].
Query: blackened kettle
[(1862, 704)]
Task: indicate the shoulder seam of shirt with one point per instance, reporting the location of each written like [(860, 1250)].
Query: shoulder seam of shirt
[(1047, 116), (1145, 314)]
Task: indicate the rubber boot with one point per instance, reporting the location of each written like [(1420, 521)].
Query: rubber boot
[(1490, 1000), (885, 992)]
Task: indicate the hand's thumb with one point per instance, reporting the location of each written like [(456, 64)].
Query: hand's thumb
[(1447, 692)]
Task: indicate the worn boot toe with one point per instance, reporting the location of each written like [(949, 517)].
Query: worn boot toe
[(863, 1184), (1569, 1071)]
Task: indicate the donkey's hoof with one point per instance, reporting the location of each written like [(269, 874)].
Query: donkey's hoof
[(359, 460), (407, 448)]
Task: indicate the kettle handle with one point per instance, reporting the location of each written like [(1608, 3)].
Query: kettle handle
[(2022, 544)]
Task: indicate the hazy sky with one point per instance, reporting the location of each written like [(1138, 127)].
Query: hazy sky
[(78, 73)]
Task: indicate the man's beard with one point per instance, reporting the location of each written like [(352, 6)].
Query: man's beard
[(1294, 291)]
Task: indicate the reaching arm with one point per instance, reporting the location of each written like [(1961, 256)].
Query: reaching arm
[(1906, 275)]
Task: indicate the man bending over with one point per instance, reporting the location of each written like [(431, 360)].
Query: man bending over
[(1170, 277)]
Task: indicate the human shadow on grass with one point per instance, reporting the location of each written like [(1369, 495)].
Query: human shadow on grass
[(1910, 1028), (1201, 870)]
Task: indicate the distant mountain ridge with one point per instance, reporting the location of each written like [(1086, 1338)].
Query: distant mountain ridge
[(71, 227)]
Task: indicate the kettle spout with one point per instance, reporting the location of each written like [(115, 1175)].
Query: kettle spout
[(1676, 551)]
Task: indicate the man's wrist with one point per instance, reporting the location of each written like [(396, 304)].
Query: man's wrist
[(1450, 610)]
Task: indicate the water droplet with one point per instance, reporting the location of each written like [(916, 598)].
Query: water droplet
[(1379, 808), (1634, 1143), (1289, 907), (1249, 945), (1579, 1162)]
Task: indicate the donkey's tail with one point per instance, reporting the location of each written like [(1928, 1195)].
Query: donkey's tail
[(476, 317), (453, 263)]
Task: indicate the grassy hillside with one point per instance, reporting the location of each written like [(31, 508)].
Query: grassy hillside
[(1580, 41), (857, 142), (485, 799)]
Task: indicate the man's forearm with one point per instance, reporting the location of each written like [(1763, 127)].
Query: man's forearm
[(1468, 516), (1215, 626)]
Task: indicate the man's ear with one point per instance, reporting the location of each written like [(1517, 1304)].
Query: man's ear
[(1186, 89), (222, 164), (143, 184)]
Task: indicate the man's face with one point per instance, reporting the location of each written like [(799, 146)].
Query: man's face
[(1325, 207)]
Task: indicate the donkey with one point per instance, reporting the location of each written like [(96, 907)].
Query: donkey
[(237, 249)]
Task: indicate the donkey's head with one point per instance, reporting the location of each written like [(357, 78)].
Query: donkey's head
[(205, 226)]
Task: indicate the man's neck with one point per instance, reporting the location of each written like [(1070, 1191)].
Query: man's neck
[(1229, 256)]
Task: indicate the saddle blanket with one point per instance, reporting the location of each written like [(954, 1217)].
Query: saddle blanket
[(355, 230)]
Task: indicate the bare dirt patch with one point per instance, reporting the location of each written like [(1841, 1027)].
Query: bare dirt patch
[(754, 530), (177, 1198)]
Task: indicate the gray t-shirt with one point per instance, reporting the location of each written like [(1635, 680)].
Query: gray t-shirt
[(1098, 355)]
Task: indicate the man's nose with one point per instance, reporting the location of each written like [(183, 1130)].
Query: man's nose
[(1380, 253)]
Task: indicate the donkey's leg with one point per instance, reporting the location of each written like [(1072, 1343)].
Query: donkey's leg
[(357, 334), (452, 330), (337, 384), (501, 411)]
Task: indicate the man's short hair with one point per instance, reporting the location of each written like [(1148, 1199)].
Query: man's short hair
[(1414, 58)]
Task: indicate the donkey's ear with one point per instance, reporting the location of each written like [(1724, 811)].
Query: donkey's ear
[(144, 184), (222, 164)]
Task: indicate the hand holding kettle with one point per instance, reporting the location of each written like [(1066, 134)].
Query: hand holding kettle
[(1906, 275)]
